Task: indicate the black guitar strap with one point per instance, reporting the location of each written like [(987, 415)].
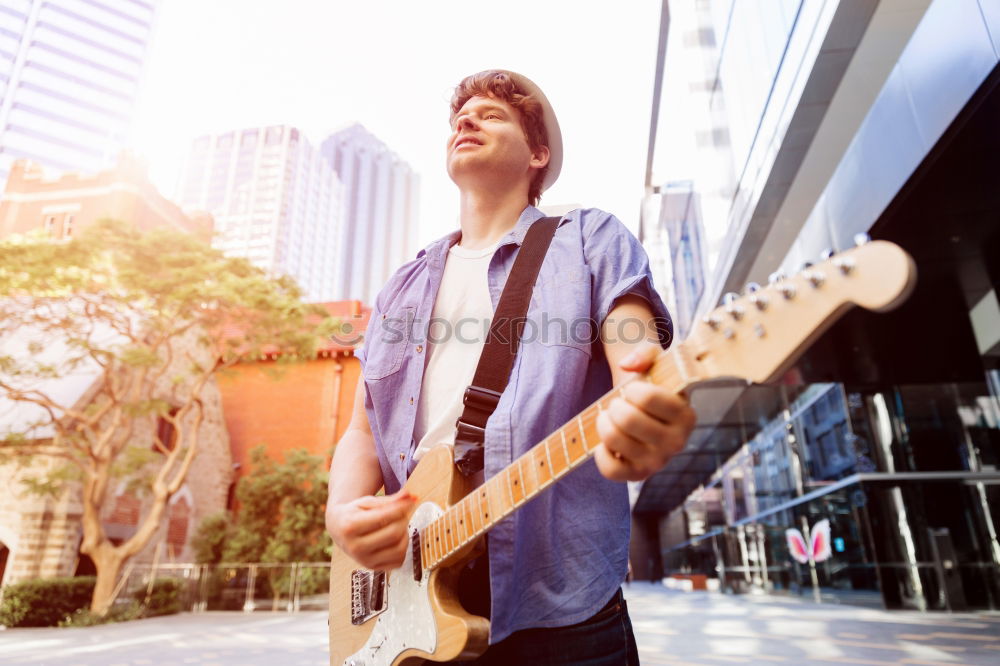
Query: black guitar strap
[(500, 350)]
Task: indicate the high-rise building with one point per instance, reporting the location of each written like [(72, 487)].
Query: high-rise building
[(380, 211), (674, 241), (275, 200), (70, 72), (808, 123)]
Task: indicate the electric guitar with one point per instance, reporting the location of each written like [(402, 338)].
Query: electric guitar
[(412, 614)]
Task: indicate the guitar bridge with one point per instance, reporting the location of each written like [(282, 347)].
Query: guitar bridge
[(368, 595)]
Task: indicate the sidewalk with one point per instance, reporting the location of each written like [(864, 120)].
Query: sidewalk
[(710, 628), (672, 627)]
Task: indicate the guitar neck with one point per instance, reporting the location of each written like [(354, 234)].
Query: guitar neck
[(754, 337), (554, 457)]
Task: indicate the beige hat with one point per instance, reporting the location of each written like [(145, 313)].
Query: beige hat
[(551, 126)]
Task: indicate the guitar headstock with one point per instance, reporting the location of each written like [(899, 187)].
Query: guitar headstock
[(757, 335)]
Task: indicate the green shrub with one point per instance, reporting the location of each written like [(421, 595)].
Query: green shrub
[(44, 602), (82, 617), (65, 602), (165, 599)]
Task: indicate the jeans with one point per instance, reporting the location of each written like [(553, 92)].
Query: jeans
[(606, 639)]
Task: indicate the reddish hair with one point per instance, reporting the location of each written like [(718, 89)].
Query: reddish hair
[(500, 85)]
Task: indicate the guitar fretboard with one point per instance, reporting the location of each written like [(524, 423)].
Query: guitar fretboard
[(754, 337), (553, 458)]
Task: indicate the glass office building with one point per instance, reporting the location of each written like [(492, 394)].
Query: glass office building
[(801, 124), (70, 73)]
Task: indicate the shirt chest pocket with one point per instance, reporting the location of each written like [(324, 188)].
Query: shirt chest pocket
[(560, 312), (387, 339)]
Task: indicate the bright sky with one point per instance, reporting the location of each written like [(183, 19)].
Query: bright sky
[(391, 65)]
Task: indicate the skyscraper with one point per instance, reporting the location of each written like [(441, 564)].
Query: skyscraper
[(69, 77), (674, 240), (275, 200), (380, 211)]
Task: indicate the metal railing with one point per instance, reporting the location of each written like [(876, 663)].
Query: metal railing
[(244, 586)]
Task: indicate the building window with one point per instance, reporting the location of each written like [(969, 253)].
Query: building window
[(273, 136), (49, 224), (126, 510), (177, 526), (68, 227), (166, 434)]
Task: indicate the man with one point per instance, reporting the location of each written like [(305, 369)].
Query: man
[(556, 565)]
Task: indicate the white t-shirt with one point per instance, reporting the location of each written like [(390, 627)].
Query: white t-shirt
[(456, 335)]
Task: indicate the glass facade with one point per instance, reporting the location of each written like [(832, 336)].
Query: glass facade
[(906, 477), (806, 123), (69, 77)]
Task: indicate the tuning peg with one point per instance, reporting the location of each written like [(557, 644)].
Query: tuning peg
[(787, 290), (845, 264), (757, 298), (827, 253), (732, 308), (861, 239), (816, 278), (806, 265), (712, 321), (775, 277)]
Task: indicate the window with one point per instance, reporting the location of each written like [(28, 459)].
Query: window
[(68, 227), (273, 136), (166, 434), (49, 224)]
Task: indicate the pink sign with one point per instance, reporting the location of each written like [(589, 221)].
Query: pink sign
[(819, 549)]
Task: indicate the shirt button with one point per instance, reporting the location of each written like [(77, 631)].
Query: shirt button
[(402, 456), (411, 399), (420, 348)]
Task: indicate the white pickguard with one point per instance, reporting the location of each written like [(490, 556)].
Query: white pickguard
[(408, 621)]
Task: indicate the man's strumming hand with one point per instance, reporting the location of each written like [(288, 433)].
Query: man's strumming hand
[(373, 530)]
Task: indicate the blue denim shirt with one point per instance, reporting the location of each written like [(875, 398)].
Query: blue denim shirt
[(558, 559)]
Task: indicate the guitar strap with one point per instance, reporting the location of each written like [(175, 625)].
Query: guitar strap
[(500, 350)]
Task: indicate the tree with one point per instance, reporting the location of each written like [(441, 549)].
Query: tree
[(153, 317), (279, 520)]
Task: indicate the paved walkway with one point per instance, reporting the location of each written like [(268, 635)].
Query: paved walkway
[(672, 627), (701, 628)]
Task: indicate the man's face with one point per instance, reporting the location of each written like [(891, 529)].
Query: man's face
[(487, 142)]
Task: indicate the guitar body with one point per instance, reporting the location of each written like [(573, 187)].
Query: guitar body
[(405, 621)]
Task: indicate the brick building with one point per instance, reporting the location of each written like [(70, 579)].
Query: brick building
[(69, 203), (301, 405), (40, 536)]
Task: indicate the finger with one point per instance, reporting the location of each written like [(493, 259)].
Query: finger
[(366, 521), (382, 539), (615, 469), (393, 557), (375, 501), (636, 423), (641, 358), (656, 401), (618, 442)]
